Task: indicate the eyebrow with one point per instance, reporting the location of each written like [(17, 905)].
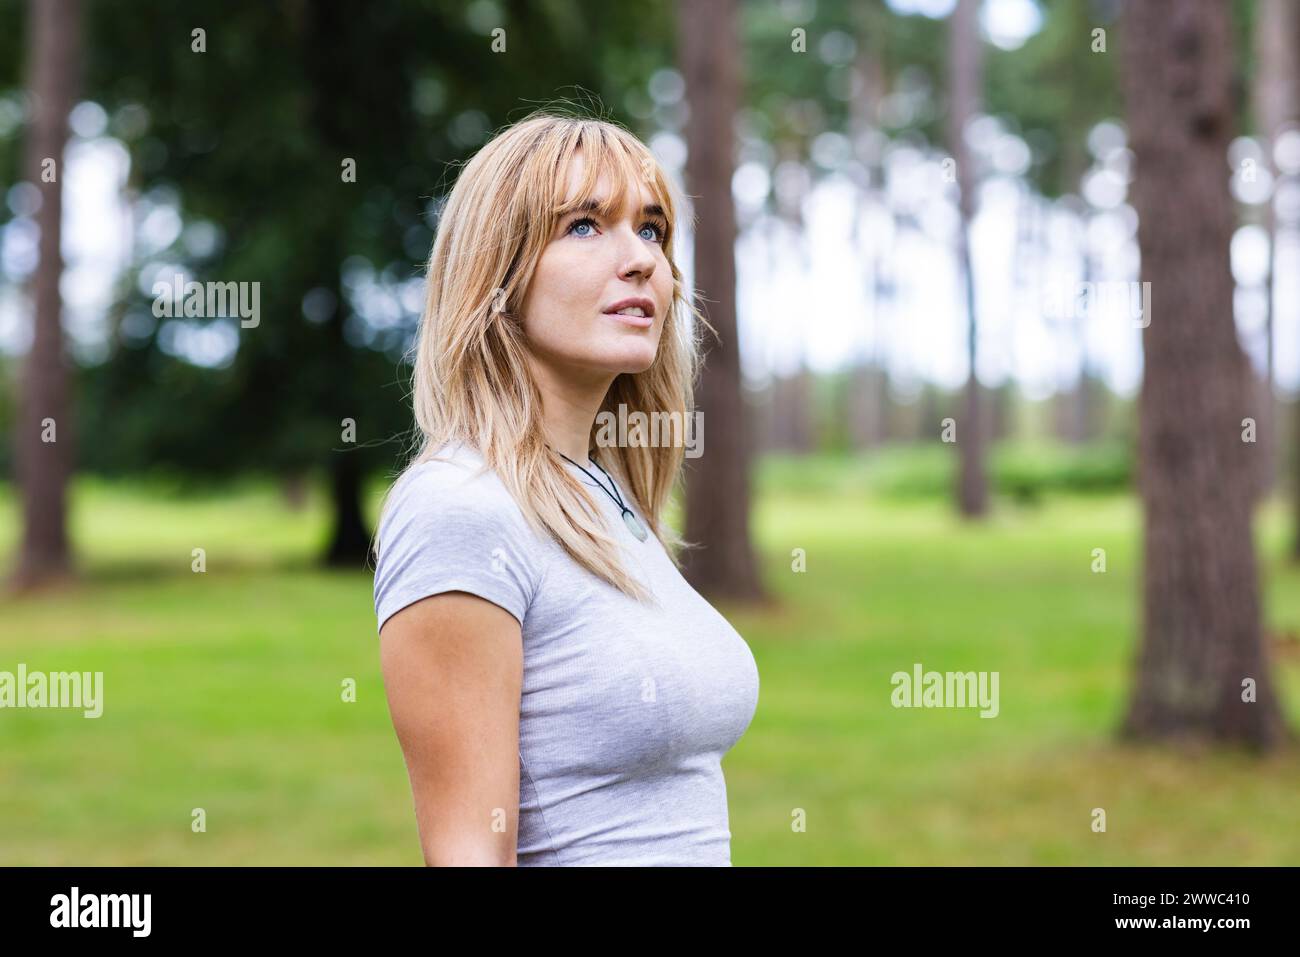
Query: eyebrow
[(591, 205)]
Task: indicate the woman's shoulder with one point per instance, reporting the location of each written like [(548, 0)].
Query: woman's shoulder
[(449, 465), (454, 483), (450, 524)]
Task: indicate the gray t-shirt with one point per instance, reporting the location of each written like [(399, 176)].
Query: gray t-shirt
[(626, 709)]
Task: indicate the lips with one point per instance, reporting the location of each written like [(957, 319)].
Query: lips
[(637, 322), (646, 306)]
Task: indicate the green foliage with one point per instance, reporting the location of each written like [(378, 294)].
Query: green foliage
[(250, 136), (1025, 472), (1055, 88)]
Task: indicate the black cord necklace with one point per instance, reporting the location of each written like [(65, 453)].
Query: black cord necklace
[(629, 517)]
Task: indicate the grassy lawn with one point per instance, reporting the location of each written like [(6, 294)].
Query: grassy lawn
[(223, 692)]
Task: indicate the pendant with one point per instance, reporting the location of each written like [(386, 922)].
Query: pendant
[(634, 526)]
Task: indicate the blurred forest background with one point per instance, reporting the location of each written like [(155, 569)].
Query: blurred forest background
[(906, 211)]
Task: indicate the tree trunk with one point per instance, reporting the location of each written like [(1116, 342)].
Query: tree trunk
[(867, 407), (44, 446), (717, 484), (349, 544), (1084, 397), (964, 78), (1201, 638), (1277, 103), (349, 541)]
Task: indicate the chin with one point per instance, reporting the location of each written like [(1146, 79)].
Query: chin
[(637, 361), (629, 357)]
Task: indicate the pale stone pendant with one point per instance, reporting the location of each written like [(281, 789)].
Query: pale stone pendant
[(634, 526)]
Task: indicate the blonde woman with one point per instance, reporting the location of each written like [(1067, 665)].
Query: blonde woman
[(562, 696)]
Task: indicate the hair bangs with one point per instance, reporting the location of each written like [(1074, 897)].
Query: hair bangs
[(625, 164)]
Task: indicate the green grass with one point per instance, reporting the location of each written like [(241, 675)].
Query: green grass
[(222, 692)]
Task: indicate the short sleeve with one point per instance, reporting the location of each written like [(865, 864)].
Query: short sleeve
[(445, 530)]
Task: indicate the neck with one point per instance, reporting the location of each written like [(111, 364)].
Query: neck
[(569, 407)]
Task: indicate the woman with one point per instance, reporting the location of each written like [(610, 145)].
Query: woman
[(562, 696)]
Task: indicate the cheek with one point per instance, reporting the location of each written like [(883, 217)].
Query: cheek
[(547, 288), (573, 275), (564, 289)]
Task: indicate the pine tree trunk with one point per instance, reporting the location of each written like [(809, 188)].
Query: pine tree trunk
[(349, 543), (1201, 636), (963, 97), (717, 484), (45, 441)]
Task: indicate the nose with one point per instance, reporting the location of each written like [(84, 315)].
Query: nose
[(636, 259)]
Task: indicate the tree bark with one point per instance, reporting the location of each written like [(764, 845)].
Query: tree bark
[(1201, 636), (349, 543), (964, 79), (44, 466), (717, 484)]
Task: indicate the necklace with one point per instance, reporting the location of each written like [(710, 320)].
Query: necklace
[(629, 517)]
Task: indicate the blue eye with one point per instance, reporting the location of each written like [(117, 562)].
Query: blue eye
[(658, 230)]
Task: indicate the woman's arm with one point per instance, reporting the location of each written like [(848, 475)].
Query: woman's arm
[(453, 670)]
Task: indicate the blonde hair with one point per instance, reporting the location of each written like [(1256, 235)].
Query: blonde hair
[(472, 383)]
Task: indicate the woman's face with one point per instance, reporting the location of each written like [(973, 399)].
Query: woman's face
[(589, 270)]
